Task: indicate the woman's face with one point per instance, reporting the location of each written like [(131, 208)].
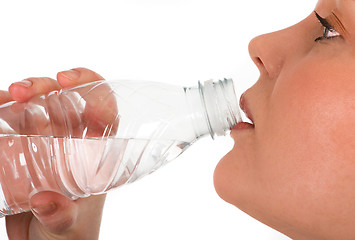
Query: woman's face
[(295, 170)]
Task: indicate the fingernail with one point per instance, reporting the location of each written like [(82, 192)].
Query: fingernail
[(26, 83), (71, 74), (45, 210)]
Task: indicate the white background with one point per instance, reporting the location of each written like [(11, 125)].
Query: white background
[(172, 41)]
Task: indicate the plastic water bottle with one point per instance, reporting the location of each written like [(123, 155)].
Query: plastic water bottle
[(97, 136)]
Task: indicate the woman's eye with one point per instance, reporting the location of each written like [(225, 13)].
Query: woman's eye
[(329, 31)]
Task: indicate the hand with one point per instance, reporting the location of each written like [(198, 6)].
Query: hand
[(54, 216), (90, 109)]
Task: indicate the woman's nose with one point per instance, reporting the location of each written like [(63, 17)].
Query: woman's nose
[(268, 53), (271, 51)]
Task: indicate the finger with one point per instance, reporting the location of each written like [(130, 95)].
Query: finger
[(17, 225), (5, 97), (100, 112), (89, 217), (78, 219), (54, 211), (77, 76), (27, 88)]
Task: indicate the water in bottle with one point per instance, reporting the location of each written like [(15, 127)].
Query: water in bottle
[(98, 136)]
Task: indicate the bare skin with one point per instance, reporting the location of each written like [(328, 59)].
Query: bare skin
[(294, 171), (54, 216)]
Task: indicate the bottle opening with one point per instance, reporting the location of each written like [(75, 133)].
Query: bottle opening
[(221, 106)]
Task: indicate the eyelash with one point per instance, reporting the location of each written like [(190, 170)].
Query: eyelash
[(329, 31)]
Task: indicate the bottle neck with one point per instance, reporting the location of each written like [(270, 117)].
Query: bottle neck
[(214, 107)]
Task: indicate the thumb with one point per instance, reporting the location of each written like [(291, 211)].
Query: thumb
[(54, 211), (77, 76), (101, 113)]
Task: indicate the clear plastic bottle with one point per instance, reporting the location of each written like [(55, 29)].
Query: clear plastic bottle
[(97, 136)]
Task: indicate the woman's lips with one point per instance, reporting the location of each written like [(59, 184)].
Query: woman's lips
[(243, 103), (243, 125)]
